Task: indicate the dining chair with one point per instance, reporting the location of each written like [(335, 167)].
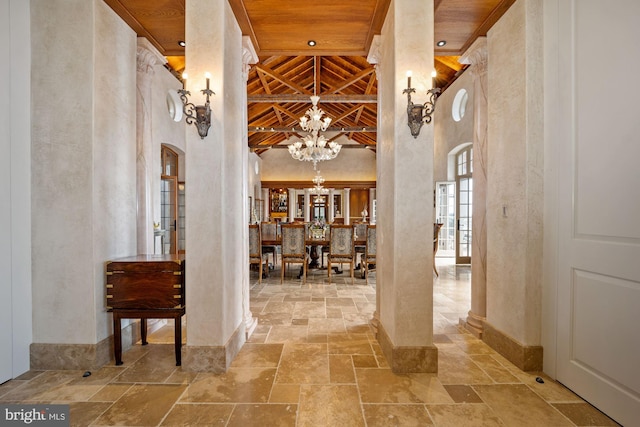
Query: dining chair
[(255, 250), (360, 238), (269, 232), (325, 248), (294, 249), (341, 247), (436, 238), (370, 251)]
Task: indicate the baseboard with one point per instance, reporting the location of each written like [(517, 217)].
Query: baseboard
[(215, 359), (407, 359), (527, 358)]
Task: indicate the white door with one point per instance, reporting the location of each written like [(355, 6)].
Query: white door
[(6, 327), (596, 133)]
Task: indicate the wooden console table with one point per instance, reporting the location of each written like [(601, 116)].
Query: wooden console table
[(146, 287)]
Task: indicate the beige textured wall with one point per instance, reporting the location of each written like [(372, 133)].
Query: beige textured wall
[(448, 133), (514, 201), (83, 188), (352, 164)]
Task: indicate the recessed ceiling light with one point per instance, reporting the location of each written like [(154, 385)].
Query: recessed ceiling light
[(311, 42), (441, 43), (182, 43)]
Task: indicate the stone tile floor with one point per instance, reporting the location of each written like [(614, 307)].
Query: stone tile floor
[(314, 361)]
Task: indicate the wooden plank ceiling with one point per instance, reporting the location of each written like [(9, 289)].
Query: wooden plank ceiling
[(336, 68)]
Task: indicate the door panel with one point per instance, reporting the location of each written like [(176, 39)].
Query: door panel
[(598, 207), (169, 213), (464, 188)]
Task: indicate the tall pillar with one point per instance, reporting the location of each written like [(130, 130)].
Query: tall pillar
[(249, 56), (265, 204), (476, 56), (147, 56), (372, 198), (217, 245), (292, 204), (332, 206), (405, 186), (374, 57), (347, 205), (307, 204)]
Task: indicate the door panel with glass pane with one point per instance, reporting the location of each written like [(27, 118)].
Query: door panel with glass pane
[(446, 215), (169, 212), (464, 186)]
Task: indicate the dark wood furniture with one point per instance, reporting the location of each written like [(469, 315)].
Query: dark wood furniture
[(146, 287)]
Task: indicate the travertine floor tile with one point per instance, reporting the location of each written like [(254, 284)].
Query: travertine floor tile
[(517, 405), (82, 414), (329, 405), (237, 385), (198, 414), (462, 394), (383, 386), (466, 415), (276, 415), (154, 367), (583, 414), (326, 369), (304, 364), (380, 415), (258, 356), (341, 369), (142, 405)]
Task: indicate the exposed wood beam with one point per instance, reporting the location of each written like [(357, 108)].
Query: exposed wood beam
[(362, 74), (287, 82), (281, 146), (260, 129), (324, 99)]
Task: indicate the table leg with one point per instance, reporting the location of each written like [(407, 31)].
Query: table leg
[(143, 331), (117, 339), (178, 339)]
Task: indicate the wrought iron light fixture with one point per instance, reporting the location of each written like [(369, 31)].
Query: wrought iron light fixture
[(314, 147), (419, 114), (200, 115)]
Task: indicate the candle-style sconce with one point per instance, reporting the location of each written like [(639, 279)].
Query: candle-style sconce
[(200, 115), (419, 114)]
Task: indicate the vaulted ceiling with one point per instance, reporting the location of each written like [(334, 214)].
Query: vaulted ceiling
[(335, 68)]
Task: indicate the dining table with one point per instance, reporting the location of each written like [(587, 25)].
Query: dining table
[(315, 244)]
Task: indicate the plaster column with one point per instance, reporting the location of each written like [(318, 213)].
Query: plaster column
[(265, 204), (347, 205), (405, 186), (476, 56), (292, 204), (375, 57), (332, 207), (217, 245), (249, 56), (372, 198), (307, 207), (147, 57)]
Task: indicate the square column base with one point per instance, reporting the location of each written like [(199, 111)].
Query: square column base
[(407, 359), (526, 357), (214, 359)]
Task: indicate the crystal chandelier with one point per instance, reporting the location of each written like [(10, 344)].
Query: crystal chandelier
[(314, 147), (318, 189)]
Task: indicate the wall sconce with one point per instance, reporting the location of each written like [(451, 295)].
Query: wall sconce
[(419, 114), (200, 115)]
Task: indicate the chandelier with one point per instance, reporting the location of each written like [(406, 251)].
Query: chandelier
[(314, 147), (318, 189)]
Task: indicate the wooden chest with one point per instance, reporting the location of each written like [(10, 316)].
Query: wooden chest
[(146, 282)]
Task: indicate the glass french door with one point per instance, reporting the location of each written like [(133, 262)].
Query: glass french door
[(169, 213), (446, 215), (464, 211)]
